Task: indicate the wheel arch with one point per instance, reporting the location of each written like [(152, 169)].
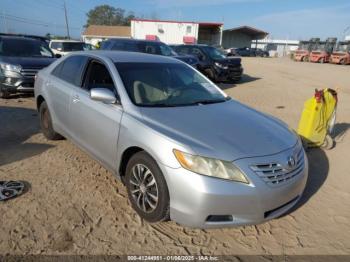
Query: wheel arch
[(39, 100), (125, 157)]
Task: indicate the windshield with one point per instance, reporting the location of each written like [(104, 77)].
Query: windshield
[(24, 48), (343, 47), (167, 84), (214, 53), (304, 46), (72, 46), (321, 47)]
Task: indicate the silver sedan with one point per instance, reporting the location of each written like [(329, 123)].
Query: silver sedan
[(184, 150)]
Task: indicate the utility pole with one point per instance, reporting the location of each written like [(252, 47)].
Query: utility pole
[(65, 15), (345, 31), (5, 22)]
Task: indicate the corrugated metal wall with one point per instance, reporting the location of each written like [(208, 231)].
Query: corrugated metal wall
[(235, 39)]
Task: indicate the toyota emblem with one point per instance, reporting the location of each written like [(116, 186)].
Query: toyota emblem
[(291, 162)]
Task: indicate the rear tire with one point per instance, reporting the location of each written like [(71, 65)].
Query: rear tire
[(4, 94), (147, 188), (46, 123)]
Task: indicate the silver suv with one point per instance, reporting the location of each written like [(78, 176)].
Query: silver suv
[(183, 148)]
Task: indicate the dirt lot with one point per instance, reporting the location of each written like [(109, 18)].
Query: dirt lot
[(74, 206)]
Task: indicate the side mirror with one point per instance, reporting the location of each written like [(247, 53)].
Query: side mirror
[(58, 55), (103, 95)]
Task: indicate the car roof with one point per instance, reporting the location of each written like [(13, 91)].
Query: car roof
[(66, 41), (195, 45), (23, 36), (131, 57), (134, 40), (28, 38)]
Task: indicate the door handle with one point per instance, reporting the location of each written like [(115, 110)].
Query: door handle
[(76, 99)]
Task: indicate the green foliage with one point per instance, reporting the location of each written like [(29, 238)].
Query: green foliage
[(108, 15)]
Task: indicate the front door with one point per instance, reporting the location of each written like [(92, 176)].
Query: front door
[(96, 124)]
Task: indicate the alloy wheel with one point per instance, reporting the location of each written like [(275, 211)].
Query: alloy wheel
[(144, 188)]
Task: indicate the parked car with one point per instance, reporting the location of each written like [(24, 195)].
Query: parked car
[(64, 47), (147, 46), (248, 51), (230, 51), (21, 57), (213, 62), (262, 53), (182, 147)]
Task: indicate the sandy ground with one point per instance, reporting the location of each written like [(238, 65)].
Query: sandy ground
[(74, 206)]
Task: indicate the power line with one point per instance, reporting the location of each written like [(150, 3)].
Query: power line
[(34, 21)]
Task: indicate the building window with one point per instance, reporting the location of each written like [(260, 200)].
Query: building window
[(160, 29), (189, 29)]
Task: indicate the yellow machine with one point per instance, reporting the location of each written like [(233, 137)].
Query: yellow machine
[(318, 118)]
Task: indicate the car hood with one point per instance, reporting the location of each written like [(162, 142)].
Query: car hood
[(192, 60), (226, 131), (28, 62), (229, 61), (338, 53)]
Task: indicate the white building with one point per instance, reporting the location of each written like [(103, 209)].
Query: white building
[(347, 38), (277, 47), (177, 32)]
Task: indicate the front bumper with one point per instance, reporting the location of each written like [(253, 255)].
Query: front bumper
[(338, 59), (195, 199), (17, 85), (315, 59), (300, 57), (232, 73)]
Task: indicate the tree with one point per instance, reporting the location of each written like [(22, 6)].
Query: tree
[(108, 15)]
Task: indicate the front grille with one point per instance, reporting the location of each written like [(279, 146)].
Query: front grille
[(234, 67), (29, 72), (275, 173)]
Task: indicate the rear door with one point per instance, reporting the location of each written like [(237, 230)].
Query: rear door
[(95, 125), (63, 79)]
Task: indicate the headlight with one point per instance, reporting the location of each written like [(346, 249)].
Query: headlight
[(10, 67), (221, 65), (210, 167)]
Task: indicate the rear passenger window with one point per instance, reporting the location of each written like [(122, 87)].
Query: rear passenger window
[(70, 70)]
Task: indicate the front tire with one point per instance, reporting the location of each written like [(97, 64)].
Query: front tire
[(147, 188), (46, 123), (4, 94), (210, 74)]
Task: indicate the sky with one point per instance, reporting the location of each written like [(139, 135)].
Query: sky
[(283, 19)]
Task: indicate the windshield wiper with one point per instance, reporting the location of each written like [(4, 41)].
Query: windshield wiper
[(210, 101), (160, 105), (199, 102)]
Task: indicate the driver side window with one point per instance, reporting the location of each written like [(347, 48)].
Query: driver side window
[(98, 76), (198, 53)]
